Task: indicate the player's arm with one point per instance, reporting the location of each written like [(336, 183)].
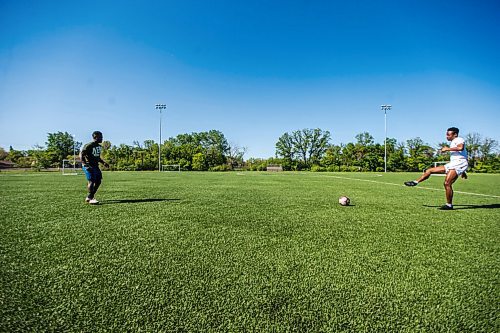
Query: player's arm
[(459, 147), (84, 157), (103, 162)]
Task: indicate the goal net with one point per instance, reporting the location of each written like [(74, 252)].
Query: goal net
[(274, 168), (171, 167), (70, 167)]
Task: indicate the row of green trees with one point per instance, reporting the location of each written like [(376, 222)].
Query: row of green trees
[(306, 149)]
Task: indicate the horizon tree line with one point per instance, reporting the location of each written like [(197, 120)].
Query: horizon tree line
[(306, 149)]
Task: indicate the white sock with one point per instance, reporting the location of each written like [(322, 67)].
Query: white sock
[(449, 205), (415, 182)]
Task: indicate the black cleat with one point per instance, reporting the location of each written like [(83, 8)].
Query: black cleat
[(411, 183), (446, 207), (464, 175)]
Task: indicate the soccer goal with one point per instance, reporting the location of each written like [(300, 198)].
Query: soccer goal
[(171, 167), (70, 168), (274, 168)]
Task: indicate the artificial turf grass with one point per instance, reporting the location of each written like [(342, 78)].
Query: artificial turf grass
[(256, 252)]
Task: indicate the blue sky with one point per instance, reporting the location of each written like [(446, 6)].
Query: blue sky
[(251, 69)]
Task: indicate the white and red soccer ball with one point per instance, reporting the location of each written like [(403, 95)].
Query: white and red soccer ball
[(344, 201)]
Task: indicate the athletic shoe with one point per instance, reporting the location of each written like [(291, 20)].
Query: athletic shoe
[(93, 202), (464, 175), (446, 207), (87, 200), (411, 183)]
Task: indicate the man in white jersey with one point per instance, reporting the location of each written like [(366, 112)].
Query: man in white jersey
[(456, 167)]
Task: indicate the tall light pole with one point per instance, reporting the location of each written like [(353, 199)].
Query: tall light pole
[(160, 107), (385, 108), (74, 153)]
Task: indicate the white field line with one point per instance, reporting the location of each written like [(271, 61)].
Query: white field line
[(418, 186)]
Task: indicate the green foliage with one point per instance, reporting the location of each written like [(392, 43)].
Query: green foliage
[(3, 154), (15, 155), (256, 164), (199, 162), (59, 146), (223, 167), (307, 149), (41, 159), (307, 146), (318, 168)]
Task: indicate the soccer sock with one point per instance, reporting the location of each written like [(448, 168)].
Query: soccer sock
[(91, 188), (449, 205), (416, 182)]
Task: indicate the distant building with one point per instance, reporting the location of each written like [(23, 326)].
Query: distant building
[(7, 165)]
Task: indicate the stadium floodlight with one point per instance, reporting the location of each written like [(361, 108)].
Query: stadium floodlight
[(385, 108), (160, 107)]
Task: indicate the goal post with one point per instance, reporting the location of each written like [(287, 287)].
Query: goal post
[(171, 167), (435, 164), (440, 163), (70, 168), (274, 168)]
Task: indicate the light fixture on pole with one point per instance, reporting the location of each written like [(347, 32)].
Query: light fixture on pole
[(160, 107), (385, 108)]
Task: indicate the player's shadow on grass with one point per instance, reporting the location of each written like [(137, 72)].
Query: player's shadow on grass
[(120, 201), (459, 207)]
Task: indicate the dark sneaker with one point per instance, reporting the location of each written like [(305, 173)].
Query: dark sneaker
[(446, 207), (464, 175), (411, 183)]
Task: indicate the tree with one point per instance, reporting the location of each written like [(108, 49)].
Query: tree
[(421, 154), (199, 163), (364, 139), (60, 145), (307, 146), (212, 140), (487, 147), (15, 155), (365, 151), (285, 147), (397, 160), (319, 141), (333, 157), (3, 154), (472, 144), (41, 158), (235, 155)]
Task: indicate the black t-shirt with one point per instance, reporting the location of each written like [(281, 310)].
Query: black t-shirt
[(91, 154)]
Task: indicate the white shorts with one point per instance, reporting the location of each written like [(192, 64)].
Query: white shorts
[(460, 166)]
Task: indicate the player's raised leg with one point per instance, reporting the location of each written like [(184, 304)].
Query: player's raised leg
[(435, 170)]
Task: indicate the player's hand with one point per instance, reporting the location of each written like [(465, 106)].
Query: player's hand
[(444, 149)]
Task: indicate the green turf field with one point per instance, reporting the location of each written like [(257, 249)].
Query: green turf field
[(248, 252)]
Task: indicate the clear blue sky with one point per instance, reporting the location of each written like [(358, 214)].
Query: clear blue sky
[(251, 69)]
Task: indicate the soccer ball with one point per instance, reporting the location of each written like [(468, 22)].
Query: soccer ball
[(344, 201)]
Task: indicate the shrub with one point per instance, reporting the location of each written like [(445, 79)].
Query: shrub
[(317, 168), (222, 167)]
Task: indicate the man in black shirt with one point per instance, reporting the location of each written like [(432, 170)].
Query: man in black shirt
[(91, 156)]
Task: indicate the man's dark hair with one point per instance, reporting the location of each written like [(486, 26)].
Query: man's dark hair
[(96, 133), (453, 129)]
